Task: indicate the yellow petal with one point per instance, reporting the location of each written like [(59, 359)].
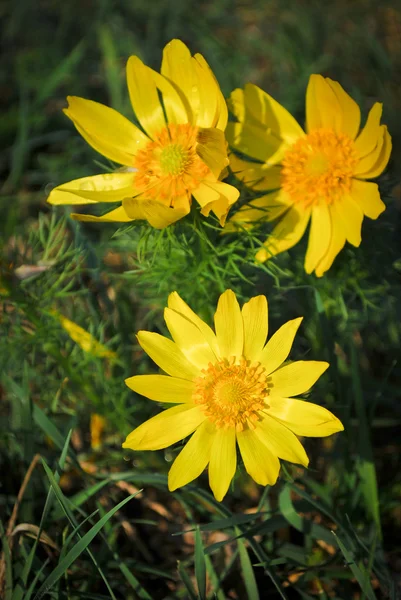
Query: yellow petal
[(106, 130), (278, 347), (177, 65), (350, 215), (208, 105), (269, 112), (367, 139), (382, 155), (226, 194), (367, 162), (212, 149), (207, 87), (189, 339), (313, 120), (199, 88), (255, 141), (167, 355), (117, 215), (260, 463), (223, 462), (221, 112), (193, 458), (176, 303), (157, 214), (206, 195), (166, 428), (144, 97), (229, 325), (108, 187), (367, 196), (255, 175), (281, 441), (319, 236), (297, 377), (162, 388), (322, 106), (337, 242), (254, 316), (236, 104), (175, 105), (304, 418), (286, 234), (266, 208), (350, 112)]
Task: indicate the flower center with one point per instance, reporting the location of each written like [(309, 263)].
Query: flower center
[(319, 167), (173, 159), (169, 166), (232, 393)]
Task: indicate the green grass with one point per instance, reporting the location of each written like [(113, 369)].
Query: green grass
[(79, 522)]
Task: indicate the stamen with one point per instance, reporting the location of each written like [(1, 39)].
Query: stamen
[(169, 166), (319, 167), (231, 393)]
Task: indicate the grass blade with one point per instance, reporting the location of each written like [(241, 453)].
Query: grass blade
[(76, 550), (19, 592), (187, 582), (133, 581), (247, 570), (365, 465), (35, 580), (200, 566), (65, 505), (216, 581), (359, 572), (80, 498), (302, 524)]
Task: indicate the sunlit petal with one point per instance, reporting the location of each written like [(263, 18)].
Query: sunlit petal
[(167, 355), (106, 130), (304, 418), (193, 458), (162, 388), (189, 339), (229, 325), (166, 428), (255, 318), (260, 463), (296, 378), (280, 440), (223, 462), (278, 347)]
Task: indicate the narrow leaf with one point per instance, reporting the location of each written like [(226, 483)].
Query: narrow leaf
[(77, 550), (200, 567)]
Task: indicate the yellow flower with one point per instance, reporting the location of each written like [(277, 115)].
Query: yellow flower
[(319, 175), (228, 387), (181, 152)]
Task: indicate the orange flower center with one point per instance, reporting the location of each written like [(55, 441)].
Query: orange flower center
[(231, 393), (169, 167), (319, 167)]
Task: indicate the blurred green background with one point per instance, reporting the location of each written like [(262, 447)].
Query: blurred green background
[(116, 282)]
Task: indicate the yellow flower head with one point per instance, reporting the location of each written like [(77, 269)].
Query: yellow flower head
[(229, 387), (180, 152), (318, 176)]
